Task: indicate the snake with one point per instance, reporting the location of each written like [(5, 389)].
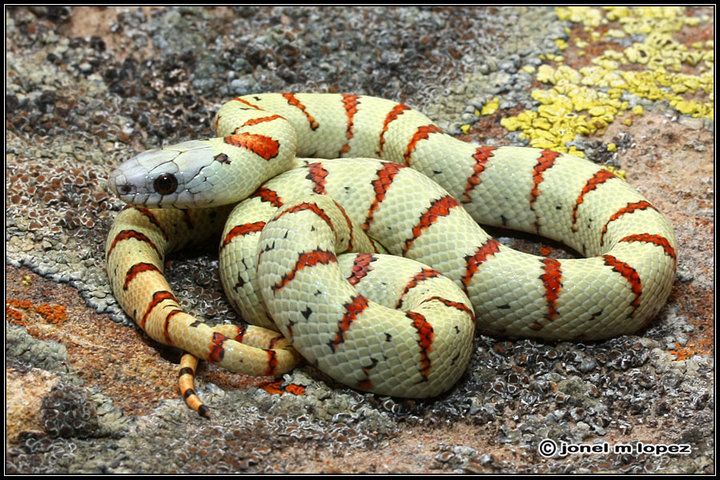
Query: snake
[(349, 238)]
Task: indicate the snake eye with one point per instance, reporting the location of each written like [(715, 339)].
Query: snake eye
[(165, 184)]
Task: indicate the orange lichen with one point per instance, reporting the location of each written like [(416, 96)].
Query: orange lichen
[(295, 389), (13, 314), (273, 388), (545, 251), (276, 388), (25, 304), (51, 313), (702, 346)]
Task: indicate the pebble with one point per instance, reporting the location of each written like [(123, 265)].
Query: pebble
[(508, 67), (243, 85), (486, 459), (587, 364), (691, 123)]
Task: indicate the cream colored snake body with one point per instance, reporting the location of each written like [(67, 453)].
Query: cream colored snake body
[(373, 321)]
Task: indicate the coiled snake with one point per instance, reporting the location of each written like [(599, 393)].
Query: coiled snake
[(370, 320)]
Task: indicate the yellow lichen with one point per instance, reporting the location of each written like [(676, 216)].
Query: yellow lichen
[(656, 67), (618, 172), (590, 17), (490, 107)]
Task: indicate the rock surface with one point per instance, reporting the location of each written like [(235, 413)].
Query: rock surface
[(88, 392)]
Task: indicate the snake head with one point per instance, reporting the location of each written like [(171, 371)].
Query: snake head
[(179, 176)]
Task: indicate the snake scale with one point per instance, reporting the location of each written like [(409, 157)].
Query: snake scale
[(355, 243)]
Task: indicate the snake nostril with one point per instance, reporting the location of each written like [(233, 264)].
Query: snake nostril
[(124, 189)]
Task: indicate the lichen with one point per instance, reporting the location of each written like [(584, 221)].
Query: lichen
[(655, 67)]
